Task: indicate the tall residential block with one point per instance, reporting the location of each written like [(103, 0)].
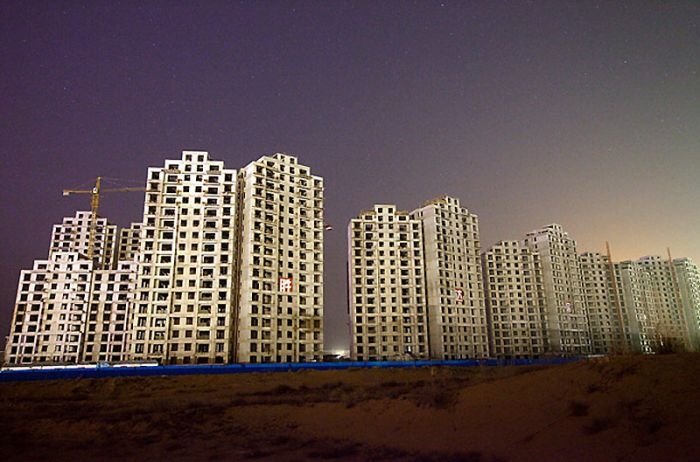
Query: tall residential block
[(456, 310), (386, 286), (279, 297), (671, 323), (203, 278), (566, 317), (183, 311), (514, 300), (638, 302), (605, 311)]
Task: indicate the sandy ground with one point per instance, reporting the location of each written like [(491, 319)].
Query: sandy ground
[(618, 409)]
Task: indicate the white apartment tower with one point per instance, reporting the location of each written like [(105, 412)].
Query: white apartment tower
[(456, 311), (605, 311), (279, 300), (387, 297), (566, 318), (183, 311), (73, 235), (514, 300), (638, 301)]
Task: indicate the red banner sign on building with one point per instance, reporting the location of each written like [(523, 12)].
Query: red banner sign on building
[(286, 284)]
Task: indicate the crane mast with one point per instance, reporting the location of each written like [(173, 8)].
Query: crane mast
[(94, 208)]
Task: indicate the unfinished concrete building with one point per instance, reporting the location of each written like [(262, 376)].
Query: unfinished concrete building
[(386, 286), (456, 310), (514, 301), (183, 311), (566, 317), (279, 300), (605, 311)]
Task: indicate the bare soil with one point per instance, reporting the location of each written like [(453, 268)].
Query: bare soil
[(624, 408)]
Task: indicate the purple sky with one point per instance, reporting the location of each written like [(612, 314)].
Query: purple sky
[(582, 113)]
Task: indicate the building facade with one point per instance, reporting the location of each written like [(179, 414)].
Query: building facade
[(279, 297), (456, 310), (203, 278), (639, 307), (605, 312), (183, 312), (566, 317), (671, 327), (386, 286), (514, 301)]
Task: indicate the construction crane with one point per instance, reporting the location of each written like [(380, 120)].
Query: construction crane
[(94, 208)]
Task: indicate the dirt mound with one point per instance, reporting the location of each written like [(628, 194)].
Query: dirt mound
[(622, 408)]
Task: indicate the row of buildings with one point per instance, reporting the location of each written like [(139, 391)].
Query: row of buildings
[(421, 287), (227, 266)]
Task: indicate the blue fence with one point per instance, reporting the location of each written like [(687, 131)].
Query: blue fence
[(150, 371)]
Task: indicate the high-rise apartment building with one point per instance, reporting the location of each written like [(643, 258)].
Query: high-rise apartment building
[(279, 297), (456, 311), (514, 300), (183, 312), (638, 302), (607, 322), (73, 235), (671, 324), (386, 286), (566, 318), (203, 278), (660, 302)]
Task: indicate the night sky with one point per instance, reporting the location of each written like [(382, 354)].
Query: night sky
[(581, 113)]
